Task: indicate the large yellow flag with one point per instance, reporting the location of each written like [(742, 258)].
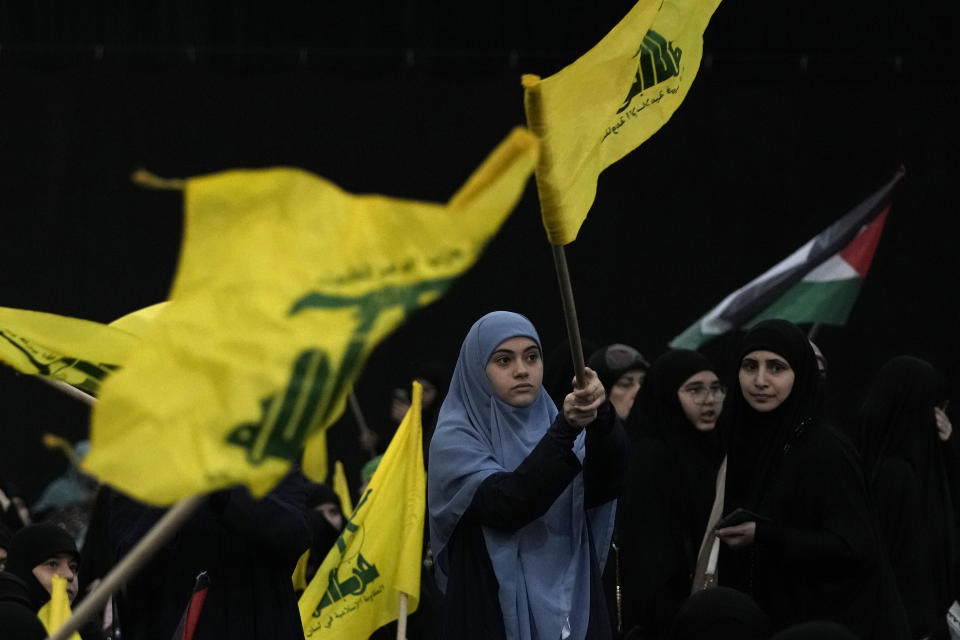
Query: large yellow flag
[(357, 588), (285, 285), (598, 109), (79, 352), (56, 611)]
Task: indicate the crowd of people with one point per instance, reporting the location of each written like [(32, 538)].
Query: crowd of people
[(668, 500)]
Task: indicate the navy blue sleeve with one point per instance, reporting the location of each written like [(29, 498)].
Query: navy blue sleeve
[(511, 499)]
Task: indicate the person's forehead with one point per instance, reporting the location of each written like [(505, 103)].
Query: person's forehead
[(764, 355), (517, 343)]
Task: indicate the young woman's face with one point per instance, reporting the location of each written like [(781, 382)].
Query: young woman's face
[(64, 565), (766, 380), (515, 371), (624, 390), (701, 398)]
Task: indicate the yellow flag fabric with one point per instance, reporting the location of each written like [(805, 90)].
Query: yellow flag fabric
[(341, 488), (79, 352), (56, 611), (139, 321), (357, 588), (285, 285), (607, 102)]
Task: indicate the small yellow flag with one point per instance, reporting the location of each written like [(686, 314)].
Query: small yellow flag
[(607, 102), (357, 588), (79, 352), (56, 611), (285, 285), (342, 489)]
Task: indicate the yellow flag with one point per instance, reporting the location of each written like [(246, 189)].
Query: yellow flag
[(56, 611), (79, 352), (357, 588), (598, 109), (341, 488), (285, 285)]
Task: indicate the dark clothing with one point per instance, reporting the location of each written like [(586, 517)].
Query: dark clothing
[(669, 494), (817, 552), (18, 611), (660, 530), (819, 555), (511, 500), (909, 471), (248, 548)]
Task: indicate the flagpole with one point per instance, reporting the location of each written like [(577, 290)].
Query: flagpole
[(158, 535), (814, 330), (361, 422), (569, 313), (70, 390), (402, 618)]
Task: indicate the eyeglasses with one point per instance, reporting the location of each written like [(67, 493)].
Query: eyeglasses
[(700, 393)]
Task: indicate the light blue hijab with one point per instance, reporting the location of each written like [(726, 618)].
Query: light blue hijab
[(543, 569)]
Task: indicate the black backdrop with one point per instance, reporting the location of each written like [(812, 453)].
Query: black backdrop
[(794, 118)]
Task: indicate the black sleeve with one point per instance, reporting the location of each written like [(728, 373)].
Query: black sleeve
[(509, 500), (605, 464), (278, 521)]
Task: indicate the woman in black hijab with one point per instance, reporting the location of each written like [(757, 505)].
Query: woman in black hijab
[(670, 489), (810, 548), (907, 470)]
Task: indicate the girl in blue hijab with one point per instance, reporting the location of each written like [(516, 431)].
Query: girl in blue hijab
[(521, 498)]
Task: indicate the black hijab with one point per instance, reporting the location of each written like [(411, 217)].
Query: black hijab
[(614, 360), (657, 414), (756, 441), (899, 424), (720, 613), (32, 545)]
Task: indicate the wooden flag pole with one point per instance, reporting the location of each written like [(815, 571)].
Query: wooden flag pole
[(814, 330), (361, 422), (70, 390), (569, 313), (402, 618), (169, 524)]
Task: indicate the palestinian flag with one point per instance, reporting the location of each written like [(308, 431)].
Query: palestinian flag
[(819, 282), (188, 623)]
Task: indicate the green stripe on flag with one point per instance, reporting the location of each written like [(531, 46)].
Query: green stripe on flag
[(823, 302)]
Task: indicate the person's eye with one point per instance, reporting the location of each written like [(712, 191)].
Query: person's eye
[(778, 366), (533, 356), (748, 365)]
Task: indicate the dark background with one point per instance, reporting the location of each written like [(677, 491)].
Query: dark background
[(797, 114)]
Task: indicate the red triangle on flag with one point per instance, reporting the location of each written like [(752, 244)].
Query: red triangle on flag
[(859, 253)]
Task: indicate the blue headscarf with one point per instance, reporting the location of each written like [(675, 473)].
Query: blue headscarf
[(543, 569)]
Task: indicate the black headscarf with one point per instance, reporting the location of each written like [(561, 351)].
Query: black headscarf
[(816, 630), (757, 441), (657, 414), (899, 424), (32, 545), (614, 360), (720, 613)]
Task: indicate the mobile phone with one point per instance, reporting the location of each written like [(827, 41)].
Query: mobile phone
[(738, 516)]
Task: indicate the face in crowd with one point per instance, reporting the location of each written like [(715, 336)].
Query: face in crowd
[(766, 380), (624, 391), (515, 371), (64, 565), (332, 514), (701, 398)]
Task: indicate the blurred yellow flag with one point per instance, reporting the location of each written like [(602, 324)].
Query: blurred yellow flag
[(607, 102), (56, 611), (285, 285), (378, 556), (79, 352), (342, 489)]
